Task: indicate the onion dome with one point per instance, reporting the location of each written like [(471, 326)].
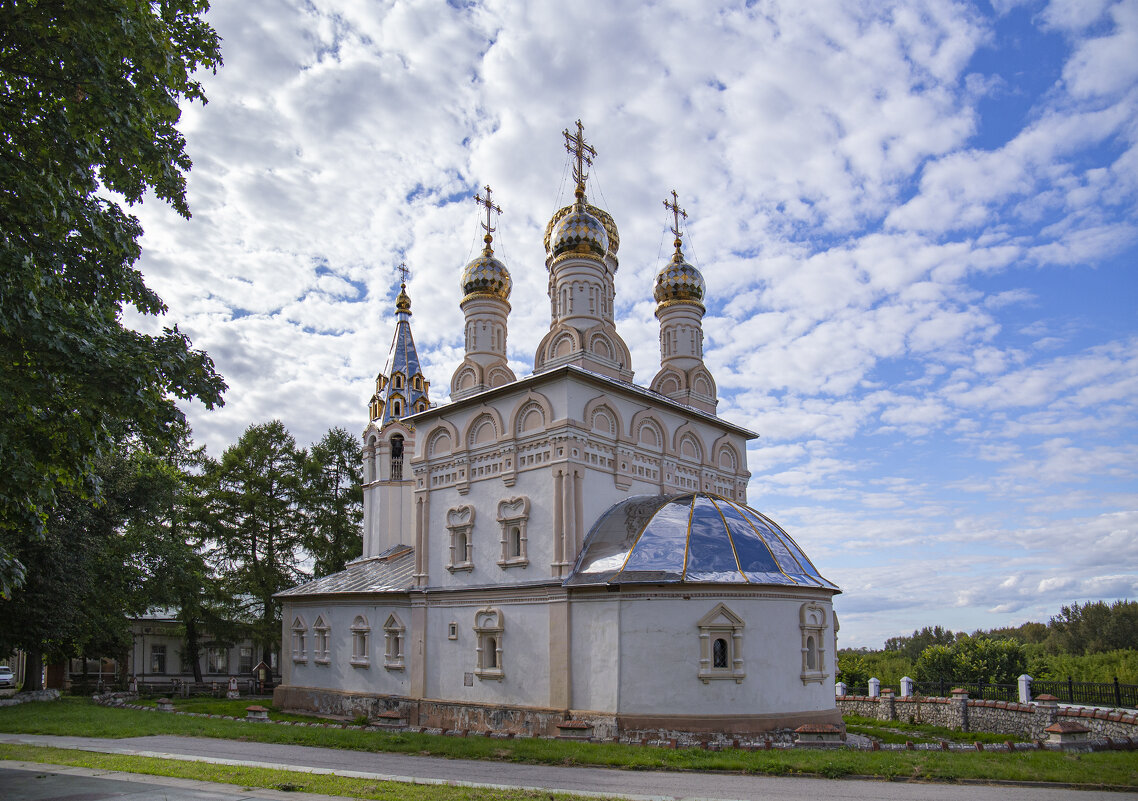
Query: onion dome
[(580, 232), (486, 275), (403, 301), (679, 281), (606, 220), (691, 538)]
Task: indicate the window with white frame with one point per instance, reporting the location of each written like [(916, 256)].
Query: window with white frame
[(393, 631), (299, 640), (488, 631), (812, 622), (217, 660), (513, 514), (721, 646), (460, 524), (320, 647), (245, 659), (361, 632), (157, 658)]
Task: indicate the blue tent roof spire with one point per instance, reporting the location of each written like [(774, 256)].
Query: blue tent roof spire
[(401, 389)]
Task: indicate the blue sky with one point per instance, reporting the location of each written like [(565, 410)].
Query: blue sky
[(917, 224)]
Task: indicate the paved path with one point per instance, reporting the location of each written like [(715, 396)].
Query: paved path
[(636, 785)]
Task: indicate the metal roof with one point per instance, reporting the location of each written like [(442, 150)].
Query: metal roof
[(691, 538), (391, 571)]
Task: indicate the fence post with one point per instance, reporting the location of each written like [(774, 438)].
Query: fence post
[(874, 687), (1117, 693), (1025, 689), (1070, 690), (907, 687)]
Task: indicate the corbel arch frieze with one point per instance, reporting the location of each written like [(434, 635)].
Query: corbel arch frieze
[(725, 445), (699, 380), (466, 377), (669, 381), (441, 441)]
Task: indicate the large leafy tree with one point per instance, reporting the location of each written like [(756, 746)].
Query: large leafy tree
[(253, 521), (334, 501), (89, 94)]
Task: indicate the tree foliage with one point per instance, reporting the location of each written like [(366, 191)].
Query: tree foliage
[(253, 523), (914, 645), (1095, 627), (89, 93), (333, 501)]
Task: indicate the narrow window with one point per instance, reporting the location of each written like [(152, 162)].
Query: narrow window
[(360, 632), (158, 659), (719, 653), (398, 380), (299, 635), (811, 654), (513, 516), (488, 627), (460, 523), (397, 457), (393, 631)]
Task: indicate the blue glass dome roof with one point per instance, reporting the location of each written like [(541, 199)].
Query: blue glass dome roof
[(693, 538)]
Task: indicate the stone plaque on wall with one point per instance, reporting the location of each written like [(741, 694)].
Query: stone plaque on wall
[(468, 679)]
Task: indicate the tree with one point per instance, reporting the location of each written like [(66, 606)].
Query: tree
[(251, 520), (89, 93), (86, 580), (334, 501), (913, 646)]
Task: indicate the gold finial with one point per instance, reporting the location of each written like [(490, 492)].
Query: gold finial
[(490, 229), (677, 212), (584, 153), (402, 301)]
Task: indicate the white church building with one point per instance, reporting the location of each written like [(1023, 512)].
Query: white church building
[(567, 551)]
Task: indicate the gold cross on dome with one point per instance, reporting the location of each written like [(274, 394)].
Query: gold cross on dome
[(490, 207), (403, 272), (582, 151), (677, 212)]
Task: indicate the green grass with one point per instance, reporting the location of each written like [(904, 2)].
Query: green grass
[(207, 705), (81, 717), (895, 731), (326, 784)]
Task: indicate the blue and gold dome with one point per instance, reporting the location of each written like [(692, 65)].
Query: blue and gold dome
[(694, 538), (579, 232), (679, 281), (486, 275), (605, 218)]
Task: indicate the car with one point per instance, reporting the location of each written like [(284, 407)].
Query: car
[(6, 677)]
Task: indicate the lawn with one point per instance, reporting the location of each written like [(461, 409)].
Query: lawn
[(75, 716)]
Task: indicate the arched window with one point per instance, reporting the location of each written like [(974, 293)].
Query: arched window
[(320, 647), (513, 516), (812, 620), (488, 629), (397, 380), (719, 653), (396, 408), (299, 637), (811, 653), (393, 631), (460, 523), (397, 456), (360, 634)]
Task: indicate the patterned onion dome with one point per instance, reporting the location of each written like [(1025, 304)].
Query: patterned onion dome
[(679, 281), (580, 232), (606, 220), (486, 276), (691, 538), (403, 302)]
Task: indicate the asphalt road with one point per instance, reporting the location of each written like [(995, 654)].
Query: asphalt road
[(666, 786)]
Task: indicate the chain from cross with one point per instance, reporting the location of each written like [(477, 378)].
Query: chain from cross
[(490, 207), (582, 151), (403, 272), (677, 212)]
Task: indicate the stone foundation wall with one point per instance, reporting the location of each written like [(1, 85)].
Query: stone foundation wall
[(999, 717)]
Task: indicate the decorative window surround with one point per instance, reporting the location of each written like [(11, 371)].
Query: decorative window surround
[(513, 515), (460, 523), (361, 632), (452, 631), (721, 646), (299, 636), (812, 622), (393, 631), (320, 651), (488, 628)]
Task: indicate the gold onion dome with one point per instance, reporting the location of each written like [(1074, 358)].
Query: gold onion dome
[(602, 215), (679, 281), (486, 276), (402, 302), (580, 232)]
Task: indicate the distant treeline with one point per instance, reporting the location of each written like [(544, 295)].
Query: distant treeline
[(1094, 641)]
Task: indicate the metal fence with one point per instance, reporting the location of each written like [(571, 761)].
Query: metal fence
[(1092, 693), (1095, 693)]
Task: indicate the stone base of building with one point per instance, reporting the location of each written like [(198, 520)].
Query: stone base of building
[(526, 721)]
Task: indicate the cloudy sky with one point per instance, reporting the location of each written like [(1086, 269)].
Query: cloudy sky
[(917, 223)]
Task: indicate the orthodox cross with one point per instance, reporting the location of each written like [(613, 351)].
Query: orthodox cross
[(582, 151), (677, 212), (403, 271), (490, 207)]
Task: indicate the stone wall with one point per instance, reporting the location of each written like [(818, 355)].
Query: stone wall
[(999, 717)]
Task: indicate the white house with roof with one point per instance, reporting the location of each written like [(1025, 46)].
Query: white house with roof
[(566, 546)]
